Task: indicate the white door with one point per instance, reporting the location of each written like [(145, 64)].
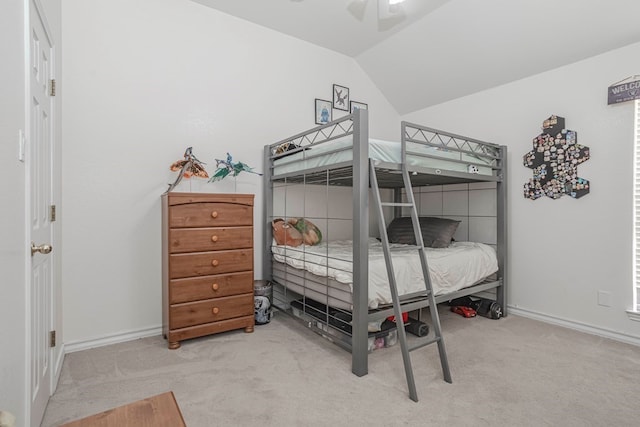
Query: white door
[(40, 156)]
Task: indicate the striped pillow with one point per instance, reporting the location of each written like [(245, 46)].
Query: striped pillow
[(436, 232)]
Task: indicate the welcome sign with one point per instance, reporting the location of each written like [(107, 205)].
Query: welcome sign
[(626, 90)]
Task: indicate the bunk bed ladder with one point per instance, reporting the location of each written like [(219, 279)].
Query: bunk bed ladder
[(435, 319)]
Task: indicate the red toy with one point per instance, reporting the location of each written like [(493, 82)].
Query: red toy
[(405, 317), (463, 311)]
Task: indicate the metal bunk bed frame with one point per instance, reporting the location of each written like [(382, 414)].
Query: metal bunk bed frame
[(355, 174)]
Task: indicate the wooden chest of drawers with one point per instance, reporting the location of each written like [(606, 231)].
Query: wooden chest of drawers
[(207, 264)]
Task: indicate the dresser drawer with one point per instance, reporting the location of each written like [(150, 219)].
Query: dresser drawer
[(210, 215), (207, 311), (207, 287), (210, 263), (209, 239)]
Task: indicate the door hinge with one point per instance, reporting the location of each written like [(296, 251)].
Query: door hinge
[(52, 87), (52, 213), (52, 338)]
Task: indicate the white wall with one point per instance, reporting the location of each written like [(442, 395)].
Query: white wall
[(562, 252), (12, 212), (143, 81)]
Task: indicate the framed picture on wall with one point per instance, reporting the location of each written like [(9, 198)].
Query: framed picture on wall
[(355, 105), (340, 97), (323, 111)]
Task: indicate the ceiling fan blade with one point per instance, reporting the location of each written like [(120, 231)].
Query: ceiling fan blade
[(357, 8)]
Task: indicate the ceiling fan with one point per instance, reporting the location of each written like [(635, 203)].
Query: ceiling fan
[(390, 12)]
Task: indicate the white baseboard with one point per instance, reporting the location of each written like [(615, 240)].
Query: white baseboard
[(57, 368), (578, 326), (74, 346), (149, 332)]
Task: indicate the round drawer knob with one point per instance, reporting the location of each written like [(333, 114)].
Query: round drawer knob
[(215, 286), (214, 214), (215, 262), (215, 310), (214, 238)]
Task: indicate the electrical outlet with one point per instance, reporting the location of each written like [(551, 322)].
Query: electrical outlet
[(604, 298)]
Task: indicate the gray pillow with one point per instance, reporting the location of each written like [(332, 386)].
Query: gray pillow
[(436, 232)]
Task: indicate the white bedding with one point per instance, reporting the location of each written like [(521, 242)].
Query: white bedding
[(384, 151), (460, 265)]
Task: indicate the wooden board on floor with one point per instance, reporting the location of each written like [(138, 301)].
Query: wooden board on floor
[(157, 411)]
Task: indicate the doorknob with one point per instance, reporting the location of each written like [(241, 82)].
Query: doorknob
[(43, 249)]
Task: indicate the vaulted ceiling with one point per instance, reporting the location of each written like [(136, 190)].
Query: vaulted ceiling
[(425, 52)]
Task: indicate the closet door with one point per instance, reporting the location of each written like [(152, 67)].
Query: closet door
[(40, 163)]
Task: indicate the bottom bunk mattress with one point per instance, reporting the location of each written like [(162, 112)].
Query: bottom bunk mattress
[(325, 272)]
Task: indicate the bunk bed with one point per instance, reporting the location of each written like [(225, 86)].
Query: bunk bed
[(335, 287)]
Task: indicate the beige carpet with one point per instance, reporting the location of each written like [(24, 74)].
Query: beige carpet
[(508, 372)]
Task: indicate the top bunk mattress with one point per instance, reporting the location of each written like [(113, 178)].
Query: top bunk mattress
[(340, 151)]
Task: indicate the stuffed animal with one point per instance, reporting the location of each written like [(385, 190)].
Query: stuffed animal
[(311, 234), (286, 234)]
